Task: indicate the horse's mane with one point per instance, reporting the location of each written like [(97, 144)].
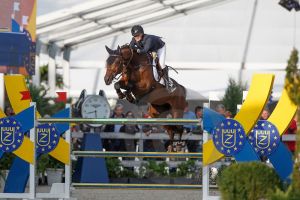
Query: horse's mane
[(126, 46)]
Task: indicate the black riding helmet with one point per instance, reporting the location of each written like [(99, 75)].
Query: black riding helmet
[(136, 30)]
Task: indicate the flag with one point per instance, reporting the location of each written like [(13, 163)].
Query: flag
[(24, 20), (16, 6), (25, 95), (62, 97)]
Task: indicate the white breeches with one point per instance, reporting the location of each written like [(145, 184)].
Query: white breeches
[(161, 53)]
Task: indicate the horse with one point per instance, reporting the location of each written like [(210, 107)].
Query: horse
[(136, 72)]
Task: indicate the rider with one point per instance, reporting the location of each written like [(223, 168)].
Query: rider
[(144, 43)]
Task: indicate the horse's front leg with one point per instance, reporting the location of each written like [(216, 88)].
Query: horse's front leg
[(117, 87), (178, 113), (128, 93)]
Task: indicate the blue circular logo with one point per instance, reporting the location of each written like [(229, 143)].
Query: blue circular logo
[(47, 138), (229, 137), (264, 138), (11, 135)]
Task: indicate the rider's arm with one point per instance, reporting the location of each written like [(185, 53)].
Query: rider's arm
[(133, 44), (147, 46)]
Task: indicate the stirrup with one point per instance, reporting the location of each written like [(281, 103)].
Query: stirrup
[(170, 85)]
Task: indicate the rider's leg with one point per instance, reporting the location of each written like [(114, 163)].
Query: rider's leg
[(161, 53)]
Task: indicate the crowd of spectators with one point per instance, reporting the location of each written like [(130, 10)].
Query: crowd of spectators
[(159, 145), (152, 145)]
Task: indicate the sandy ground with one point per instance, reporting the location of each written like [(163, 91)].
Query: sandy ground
[(131, 194)]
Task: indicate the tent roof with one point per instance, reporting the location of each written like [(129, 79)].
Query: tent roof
[(96, 19), (206, 46)]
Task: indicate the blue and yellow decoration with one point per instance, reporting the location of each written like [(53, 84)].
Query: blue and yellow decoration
[(19, 171), (230, 139), (248, 115), (264, 136), (47, 138), (265, 139), (11, 135)]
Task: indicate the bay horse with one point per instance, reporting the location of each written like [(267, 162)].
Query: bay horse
[(136, 72)]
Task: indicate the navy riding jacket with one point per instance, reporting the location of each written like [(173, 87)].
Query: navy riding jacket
[(149, 43)]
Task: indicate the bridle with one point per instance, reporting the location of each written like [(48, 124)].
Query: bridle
[(117, 75)]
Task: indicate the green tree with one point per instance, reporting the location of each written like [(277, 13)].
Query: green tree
[(248, 181), (233, 95), (292, 85), (44, 77)]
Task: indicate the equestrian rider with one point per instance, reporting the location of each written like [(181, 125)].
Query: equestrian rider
[(144, 43)]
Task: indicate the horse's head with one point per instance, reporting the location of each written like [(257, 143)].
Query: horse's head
[(115, 61), (114, 64)]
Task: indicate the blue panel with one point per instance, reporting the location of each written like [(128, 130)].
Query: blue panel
[(17, 177), (14, 48), (210, 119), (62, 127), (15, 26), (282, 161), (26, 118), (91, 170), (247, 154)]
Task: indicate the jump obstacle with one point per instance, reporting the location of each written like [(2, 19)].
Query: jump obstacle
[(247, 118)]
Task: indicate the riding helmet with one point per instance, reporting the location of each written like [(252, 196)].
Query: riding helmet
[(136, 30)]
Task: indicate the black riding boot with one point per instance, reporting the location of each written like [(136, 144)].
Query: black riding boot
[(168, 81)]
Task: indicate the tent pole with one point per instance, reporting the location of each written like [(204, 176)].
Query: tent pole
[(249, 34)]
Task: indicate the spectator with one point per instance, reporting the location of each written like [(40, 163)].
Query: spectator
[(117, 144), (191, 145), (221, 109), (131, 129), (228, 114), (199, 115), (292, 129), (188, 115), (9, 111), (265, 114), (199, 112)]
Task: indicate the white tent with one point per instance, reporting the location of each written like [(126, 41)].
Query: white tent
[(206, 42)]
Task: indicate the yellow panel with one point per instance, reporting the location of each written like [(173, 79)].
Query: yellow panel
[(248, 115), (25, 151), (210, 153), (32, 23), (256, 100), (14, 85), (2, 114), (62, 152), (283, 113)]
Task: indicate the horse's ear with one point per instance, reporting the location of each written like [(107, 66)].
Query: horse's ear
[(119, 49), (110, 51)]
